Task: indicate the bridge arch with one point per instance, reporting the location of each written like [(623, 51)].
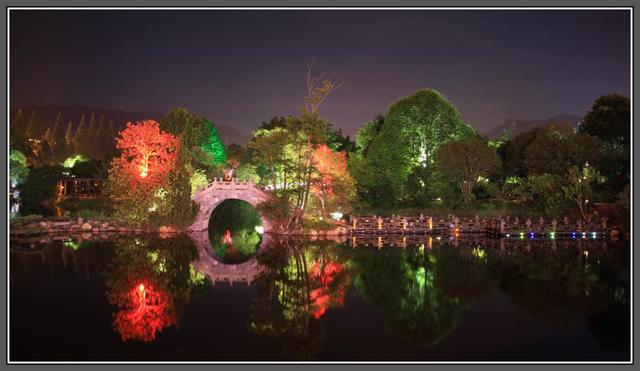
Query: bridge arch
[(217, 191)]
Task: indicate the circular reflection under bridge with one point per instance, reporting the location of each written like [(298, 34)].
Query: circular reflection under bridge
[(235, 231)]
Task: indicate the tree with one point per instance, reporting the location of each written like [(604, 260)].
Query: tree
[(610, 120), (92, 139), (465, 161), (332, 185), (247, 172), (82, 141), (319, 88), (31, 131), (69, 138), (18, 140), (148, 154), (18, 170), (269, 146), (101, 140), (213, 145), (578, 187), (543, 194), (413, 130), (39, 189), (365, 135), (18, 124), (57, 140), (140, 177), (274, 122), (555, 147), (199, 138), (108, 145)]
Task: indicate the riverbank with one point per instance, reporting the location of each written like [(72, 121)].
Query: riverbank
[(61, 225)]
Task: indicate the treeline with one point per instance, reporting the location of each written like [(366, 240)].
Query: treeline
[(94, 137), (422, 155)]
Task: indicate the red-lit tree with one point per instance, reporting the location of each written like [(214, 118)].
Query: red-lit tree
[(148, 154), (331, 277), (332, 185), (142, 178), (145, 311)]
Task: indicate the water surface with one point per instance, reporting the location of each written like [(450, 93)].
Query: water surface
[(162, 299)]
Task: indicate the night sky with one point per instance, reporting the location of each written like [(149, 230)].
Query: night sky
[(239, 68)]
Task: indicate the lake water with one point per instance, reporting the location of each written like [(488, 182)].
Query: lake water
[(152, 298)]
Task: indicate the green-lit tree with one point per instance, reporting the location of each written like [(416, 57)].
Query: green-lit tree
[(18, 170), (412, 131)]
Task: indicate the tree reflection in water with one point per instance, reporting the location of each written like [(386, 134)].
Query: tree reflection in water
[(150, 281), (423, 291), (301, 284)]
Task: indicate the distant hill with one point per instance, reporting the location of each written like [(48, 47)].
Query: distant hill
[(46, 117), (513, 127)]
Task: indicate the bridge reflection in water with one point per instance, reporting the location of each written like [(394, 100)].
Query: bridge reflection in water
[(216, 271)]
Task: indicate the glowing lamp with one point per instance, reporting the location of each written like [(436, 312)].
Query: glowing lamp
[(336, 215), (259, 229), (141, 287)]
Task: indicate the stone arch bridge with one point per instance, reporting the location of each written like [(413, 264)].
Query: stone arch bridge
[(208, 199), (217, 191)]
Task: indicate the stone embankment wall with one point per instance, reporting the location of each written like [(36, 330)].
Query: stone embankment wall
[(34, 226)]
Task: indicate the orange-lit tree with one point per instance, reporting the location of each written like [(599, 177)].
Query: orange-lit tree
[(332, 184)]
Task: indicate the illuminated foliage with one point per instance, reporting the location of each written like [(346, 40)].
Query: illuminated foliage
[(198, 181), (200, 143), (247, 172), (18, 170), (145, 312), (213, 145), (149, 281), (148, 162), (407, 140), (331, 291), (332, 185), (233, 231), (148, 154), (73, 160), (300, 285)]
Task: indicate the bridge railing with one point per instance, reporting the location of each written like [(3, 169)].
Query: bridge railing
[(220, 183)]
